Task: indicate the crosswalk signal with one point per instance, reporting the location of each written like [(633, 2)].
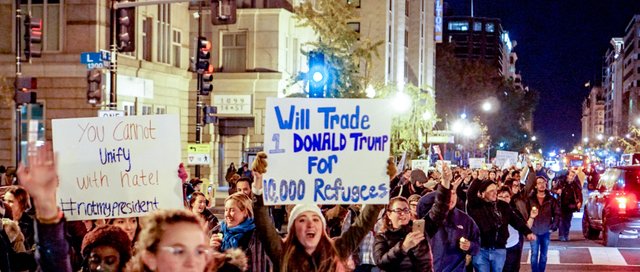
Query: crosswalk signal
[(223, 12), (125, 27), (318, 75), (209, 114), (94, 86), (32, 37)]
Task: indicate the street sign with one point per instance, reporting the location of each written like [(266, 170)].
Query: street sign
[(95, 59), (90, 57), (110, 113), (440, 139), (198, 154)]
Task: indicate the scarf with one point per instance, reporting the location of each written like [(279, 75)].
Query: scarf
[(233, 235)]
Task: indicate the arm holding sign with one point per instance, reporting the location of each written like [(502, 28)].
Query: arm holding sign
[(268, 235), (41, 181)]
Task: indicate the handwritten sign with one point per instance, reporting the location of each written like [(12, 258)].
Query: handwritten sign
[(507, 158), (476, 163), (118, 166), (326, 151), (420, 164)]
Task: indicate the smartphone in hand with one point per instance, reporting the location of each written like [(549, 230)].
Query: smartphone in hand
[(418, 225)]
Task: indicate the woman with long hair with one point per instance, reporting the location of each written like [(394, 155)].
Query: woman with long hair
[(18, 199), (130, 225), (198, 205)]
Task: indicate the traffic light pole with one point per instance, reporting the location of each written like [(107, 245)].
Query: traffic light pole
[(18, 49), (199, 89), (113, 66)]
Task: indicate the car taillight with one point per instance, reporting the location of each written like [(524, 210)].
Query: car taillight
[(626, 202)]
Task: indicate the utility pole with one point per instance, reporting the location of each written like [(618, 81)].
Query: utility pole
[(113, 66), (199, 88), (18, 49)]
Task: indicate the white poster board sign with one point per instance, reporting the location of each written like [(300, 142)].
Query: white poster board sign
[(476, 163), (506, 157), (326, 151), (420, 164), (117, 166)]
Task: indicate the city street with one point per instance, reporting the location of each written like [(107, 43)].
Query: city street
[(580, 254)]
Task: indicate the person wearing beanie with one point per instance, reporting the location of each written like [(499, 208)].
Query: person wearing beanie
[(415, 186), (307, 247), (493, 218), (106, 248)]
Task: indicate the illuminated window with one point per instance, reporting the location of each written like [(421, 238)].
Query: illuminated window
[(477, 26), (459, 26), (32, 124), (489, 27)]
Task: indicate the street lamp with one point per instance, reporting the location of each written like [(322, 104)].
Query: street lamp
[(486, 106), (370, 92), (534, 138), (600, 137), (585, 139), (401, 102)]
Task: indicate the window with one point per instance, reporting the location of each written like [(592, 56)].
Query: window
[(459, 26), (177, 47), (406, 8), (50, 12), (355, 3), (355, 26), (129, 108), (147, 110), (147, 35), (390, 5), (32, 125), (406, 38), (489, 27), (234, 47), (477, 26), (161, 109), (164, 33)]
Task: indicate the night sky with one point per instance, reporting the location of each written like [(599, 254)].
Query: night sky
[(561, 45)]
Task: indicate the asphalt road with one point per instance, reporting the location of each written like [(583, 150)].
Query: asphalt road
[(580, 254)]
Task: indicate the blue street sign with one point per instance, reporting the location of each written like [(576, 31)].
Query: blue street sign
[(90, 57)]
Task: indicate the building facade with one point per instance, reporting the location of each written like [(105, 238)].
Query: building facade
[(593, 110), (615, 118), (631, 72), (152, 80)]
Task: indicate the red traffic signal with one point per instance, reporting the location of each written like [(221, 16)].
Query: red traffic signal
[(32, 37)]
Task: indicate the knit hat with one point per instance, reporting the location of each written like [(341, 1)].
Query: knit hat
[(418, 175), (108, 235), (301, 208), (484, 185)]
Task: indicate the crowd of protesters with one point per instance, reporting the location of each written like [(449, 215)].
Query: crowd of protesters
[(448, 219)]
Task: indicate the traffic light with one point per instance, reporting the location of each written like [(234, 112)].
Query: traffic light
[(126, 29), (209, 114), (223, 12), (94, 86), (23, 93), (32, 37), (203, 67), (207, 85), (318, 75)]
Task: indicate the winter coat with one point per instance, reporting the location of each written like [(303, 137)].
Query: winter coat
[(521, 199), (570, 195), (345, 245), (447, 255), (493, 219), (53, 248), (548, 213), (390, 256)]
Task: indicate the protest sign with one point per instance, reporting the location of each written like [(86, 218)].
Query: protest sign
[(506, 158), (420, 164), (118, 166), (476, 163), (329, 151)]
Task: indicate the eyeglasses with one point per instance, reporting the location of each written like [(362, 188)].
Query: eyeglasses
[(400, 211), (181, 252)]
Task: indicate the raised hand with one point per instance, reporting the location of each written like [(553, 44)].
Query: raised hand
[(412, 240), (447, 176), (40, 179), (257, 180)]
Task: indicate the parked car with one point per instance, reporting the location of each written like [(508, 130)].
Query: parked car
[(613, 208)]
